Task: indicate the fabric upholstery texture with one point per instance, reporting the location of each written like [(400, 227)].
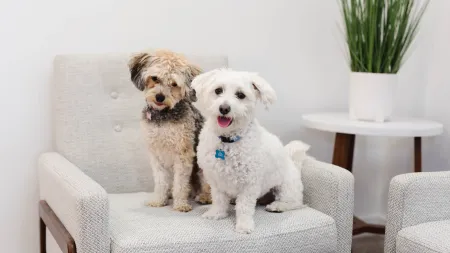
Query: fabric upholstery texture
[(430, 237), (98, 177), (414, 199), (138, 228), (330, 189), (79, 202)]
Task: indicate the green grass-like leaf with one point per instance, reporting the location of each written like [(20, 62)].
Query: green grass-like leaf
[(379, 32)]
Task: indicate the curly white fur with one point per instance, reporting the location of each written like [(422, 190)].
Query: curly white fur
[(256, 163)]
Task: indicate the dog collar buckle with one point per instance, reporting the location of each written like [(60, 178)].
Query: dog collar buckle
[(229, 139)]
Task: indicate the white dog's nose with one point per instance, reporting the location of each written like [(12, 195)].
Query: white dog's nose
[(224, 109)]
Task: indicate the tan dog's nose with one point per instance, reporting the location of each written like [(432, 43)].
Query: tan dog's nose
[(160, 98)]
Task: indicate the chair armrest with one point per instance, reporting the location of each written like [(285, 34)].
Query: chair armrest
[(330, 189), (416, 198), (79, 202), (327, 188)]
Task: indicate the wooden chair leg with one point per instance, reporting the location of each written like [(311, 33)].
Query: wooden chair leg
[(42, 235), (49, 220)]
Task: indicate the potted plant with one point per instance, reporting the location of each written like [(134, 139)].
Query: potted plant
[(378, 35)]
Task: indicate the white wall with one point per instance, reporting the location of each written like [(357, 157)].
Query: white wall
[(293, 43), (437, 103)]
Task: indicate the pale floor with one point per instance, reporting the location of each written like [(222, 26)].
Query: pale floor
[(368, 243)]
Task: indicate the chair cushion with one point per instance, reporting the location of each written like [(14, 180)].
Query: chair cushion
[(97, 110), (137, 228), (430, 237)]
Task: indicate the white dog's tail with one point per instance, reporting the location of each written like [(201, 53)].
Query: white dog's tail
[(297, 150)]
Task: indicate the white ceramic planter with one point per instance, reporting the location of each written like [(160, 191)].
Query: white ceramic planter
[(371, 96)]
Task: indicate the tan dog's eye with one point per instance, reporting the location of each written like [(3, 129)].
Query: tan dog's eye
[(150, 85), (174, 84), (155, 79)]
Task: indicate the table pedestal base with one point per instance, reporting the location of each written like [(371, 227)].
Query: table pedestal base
[(360, 227), (344, 146)]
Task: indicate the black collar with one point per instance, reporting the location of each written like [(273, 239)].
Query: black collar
[(229, 139)]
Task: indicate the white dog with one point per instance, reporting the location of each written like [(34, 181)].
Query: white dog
[(241, 159)]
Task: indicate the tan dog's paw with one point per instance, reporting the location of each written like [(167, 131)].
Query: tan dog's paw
[(156, 202), (182, 207), (204, 198)]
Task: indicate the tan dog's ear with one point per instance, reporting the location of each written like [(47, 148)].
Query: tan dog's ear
[(191, 73), (136, 65), (264, 91)]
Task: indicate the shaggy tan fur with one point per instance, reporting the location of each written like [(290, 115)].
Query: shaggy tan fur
[(172, 137)]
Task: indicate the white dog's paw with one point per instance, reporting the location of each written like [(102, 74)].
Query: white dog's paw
[(214, 214), (245, 226), (157, 201), (279, 206)]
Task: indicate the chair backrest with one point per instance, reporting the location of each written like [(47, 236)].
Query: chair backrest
[(96, 113)]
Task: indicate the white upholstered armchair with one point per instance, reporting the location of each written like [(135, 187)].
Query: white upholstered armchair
[(419, 213), (94, 184)]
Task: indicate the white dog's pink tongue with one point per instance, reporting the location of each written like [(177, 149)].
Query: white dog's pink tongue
[(223, 121)]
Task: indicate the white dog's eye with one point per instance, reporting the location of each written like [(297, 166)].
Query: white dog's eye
[(240, 95), (218, 91)]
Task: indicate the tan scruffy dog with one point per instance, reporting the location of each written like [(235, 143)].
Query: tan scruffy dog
[(171, 125)]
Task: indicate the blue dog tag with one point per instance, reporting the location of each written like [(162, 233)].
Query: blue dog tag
[(220, 154)]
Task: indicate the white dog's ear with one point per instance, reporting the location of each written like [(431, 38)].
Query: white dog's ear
[(264, 90), (202, 80)]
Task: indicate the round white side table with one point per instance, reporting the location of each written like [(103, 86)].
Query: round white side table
[(344, 143)]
